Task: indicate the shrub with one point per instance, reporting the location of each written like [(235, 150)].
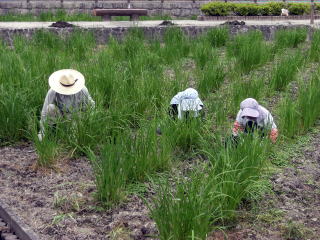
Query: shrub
[(250, 9), (217, 9), (299, 9), (275, 8), (246, 9), (265, 10)]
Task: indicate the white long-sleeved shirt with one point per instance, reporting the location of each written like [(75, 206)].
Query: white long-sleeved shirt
[(265, 120)]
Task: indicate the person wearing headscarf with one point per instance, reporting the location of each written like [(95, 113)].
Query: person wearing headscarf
[(185, 103), (67, 94), (253, 116)]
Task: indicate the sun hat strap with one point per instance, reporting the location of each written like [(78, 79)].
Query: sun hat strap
[(69, 85)]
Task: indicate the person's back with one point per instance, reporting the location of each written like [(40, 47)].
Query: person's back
[(186, 104)]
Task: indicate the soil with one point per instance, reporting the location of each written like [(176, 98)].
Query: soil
[(235, 22), (60, 204), (61, 24), (167, 23)]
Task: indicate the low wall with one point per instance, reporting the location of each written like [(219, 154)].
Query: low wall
[(103, 34), (155, 8)]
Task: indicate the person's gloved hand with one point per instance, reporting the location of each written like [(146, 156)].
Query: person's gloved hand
[(274, 135)]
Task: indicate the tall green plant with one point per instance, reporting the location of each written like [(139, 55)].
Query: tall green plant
[(218, 37), (298, 116), (290, 38), (211, 78), (315, 49), (242, 89), (249, 50), (184, 213), (285, 71)]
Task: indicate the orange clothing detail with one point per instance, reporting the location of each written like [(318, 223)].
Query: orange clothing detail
[(274, 135), (236, 128)]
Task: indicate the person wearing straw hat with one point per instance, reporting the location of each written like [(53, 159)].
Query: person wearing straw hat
[(185, 103), (67, 94), (251, 117)]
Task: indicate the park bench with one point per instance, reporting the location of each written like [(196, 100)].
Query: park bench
[(133, 13)]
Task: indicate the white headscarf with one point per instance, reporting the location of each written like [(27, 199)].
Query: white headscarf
[(188, 100)]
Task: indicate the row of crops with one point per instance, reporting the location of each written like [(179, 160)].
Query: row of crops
[(199, 178)]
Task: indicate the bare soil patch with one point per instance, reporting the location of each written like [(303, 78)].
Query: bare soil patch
[(60, 204)]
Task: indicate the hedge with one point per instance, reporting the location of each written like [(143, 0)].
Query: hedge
[(251, 9)]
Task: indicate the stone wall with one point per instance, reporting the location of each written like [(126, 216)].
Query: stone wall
[(155, 8), (103, 35)]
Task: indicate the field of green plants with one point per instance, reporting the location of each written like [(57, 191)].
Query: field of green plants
[(199, 178)]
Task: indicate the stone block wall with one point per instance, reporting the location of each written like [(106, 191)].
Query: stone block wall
[(155, 8), (103, 35)]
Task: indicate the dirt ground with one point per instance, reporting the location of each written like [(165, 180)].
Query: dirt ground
[(59, 204)]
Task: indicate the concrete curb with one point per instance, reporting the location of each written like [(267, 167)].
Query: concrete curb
[(15, 224)]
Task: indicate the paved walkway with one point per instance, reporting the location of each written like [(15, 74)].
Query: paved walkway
[(182, 23)]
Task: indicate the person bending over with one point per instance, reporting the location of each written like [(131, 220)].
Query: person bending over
[(67, 94), (252, 117), (186, 103)]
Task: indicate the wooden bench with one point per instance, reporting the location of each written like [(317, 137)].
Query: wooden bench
[(134, 13)]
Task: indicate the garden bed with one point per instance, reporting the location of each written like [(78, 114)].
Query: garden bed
[(59, 204), (109, 174)]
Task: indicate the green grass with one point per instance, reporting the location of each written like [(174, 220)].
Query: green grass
[(286, 71), (211, 194), (290, 38), (315, 50), (132, 82), (297, 117), (252, 87), (249, 50)]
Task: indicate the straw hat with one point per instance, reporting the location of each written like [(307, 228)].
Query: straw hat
[(66, 81)]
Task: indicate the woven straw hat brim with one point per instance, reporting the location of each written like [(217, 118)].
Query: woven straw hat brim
[(55, 84)]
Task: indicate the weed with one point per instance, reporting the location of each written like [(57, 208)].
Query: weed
[(315, 50), (218, 37), (185, 212), (290, 38), (242, 89), (249, 50), (297, 117), (285, 71), (295, 231), (67, 203), (211, 78)]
